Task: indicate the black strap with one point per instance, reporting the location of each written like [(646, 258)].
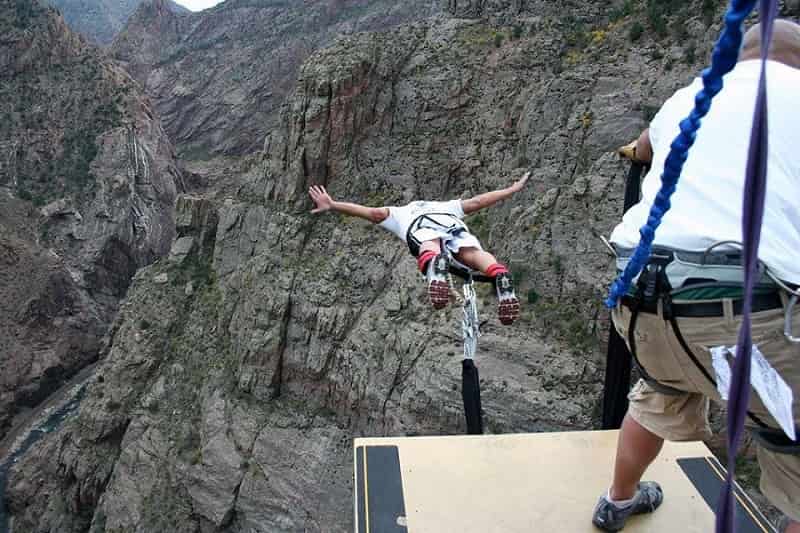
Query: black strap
[(471, 394), (652, 283), (618, 359), (761, 302), (654, 383), (633, 184), (775, 440), (617, 381)]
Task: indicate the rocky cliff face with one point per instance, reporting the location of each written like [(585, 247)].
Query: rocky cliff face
[(87, 186), (100, 20), (218, 77), (241, 366)]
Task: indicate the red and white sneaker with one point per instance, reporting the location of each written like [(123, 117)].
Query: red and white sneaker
[(438, 281), (507, 303)]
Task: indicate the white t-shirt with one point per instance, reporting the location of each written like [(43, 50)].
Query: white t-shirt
[(707, 205), (400, 218)]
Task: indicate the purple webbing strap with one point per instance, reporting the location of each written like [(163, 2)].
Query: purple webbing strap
[(752, 215)]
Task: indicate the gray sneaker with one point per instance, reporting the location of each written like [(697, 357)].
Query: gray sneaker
[(438, 281), (609, 517), (507, 303)]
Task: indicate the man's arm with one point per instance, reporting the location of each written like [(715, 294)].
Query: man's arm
[(644, 150), (324, 202), (490, 198)]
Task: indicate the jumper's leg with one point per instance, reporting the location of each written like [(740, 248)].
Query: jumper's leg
[(486, 263), (476, 259)]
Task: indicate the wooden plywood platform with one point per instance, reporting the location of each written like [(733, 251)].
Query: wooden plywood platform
[(526, 483)]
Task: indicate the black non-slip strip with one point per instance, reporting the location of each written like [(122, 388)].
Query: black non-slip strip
[(361, 493), (706, 474), (387, 510), (744, 500)]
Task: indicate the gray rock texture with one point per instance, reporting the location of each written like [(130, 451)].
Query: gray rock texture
[(238, 372), (218, 77), (87, 187), (100, 20)]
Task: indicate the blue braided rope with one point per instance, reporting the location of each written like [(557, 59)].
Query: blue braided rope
[(726, 53)]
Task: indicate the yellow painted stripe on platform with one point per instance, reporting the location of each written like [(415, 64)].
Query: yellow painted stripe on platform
[(366, 492), (746, 505), (355, 490)]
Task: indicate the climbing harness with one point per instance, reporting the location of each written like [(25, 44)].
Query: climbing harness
[(655, 295), (447, 224), (713, 264), (439, 223)]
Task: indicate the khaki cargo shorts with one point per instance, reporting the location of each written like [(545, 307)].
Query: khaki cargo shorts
[(685, 417)]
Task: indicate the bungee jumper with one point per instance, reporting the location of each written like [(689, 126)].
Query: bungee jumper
[(441, 242), (691, 301)]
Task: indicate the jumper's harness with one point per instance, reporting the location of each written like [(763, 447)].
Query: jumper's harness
[(443, 223)]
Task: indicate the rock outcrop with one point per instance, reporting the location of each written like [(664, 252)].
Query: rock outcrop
[(100, 20), (87, 187), (218, 77)]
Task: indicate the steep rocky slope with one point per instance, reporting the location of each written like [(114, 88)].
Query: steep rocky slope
[(219, 77), (86, 197), (240, 367), (100, 20)]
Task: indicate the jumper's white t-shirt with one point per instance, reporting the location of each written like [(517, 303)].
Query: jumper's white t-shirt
[(442, 216), (707, 205)]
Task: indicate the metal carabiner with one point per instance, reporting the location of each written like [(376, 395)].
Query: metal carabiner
[(794, 296), (714, 245)]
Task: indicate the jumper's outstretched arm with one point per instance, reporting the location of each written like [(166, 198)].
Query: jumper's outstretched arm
[(490, 198), (324, 202)]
